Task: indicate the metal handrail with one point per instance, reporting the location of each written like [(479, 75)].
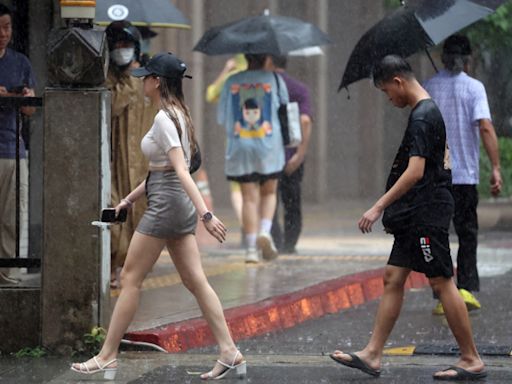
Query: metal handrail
[(21, 101)]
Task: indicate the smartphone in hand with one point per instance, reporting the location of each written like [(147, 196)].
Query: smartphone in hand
[(108, 215)]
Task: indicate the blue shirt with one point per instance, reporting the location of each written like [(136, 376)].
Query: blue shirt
[(463, 102), (248, 110), (15, 71)]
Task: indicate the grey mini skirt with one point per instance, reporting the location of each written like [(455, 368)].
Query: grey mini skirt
[(170, 211)]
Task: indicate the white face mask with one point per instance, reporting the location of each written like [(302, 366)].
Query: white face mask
[(122, 56)]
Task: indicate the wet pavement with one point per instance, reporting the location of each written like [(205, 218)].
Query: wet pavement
[(298, 355), (322, 255), (330, 247)]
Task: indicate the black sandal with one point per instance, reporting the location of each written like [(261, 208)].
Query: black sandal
[(461, 374), (357, 363)]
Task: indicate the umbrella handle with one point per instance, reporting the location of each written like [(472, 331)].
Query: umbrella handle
[(432, 61)]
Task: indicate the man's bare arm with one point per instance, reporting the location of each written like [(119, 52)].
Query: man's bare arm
[(413, 174), (490, 142)]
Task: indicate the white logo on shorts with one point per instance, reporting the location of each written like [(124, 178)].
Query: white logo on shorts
[(425, 249), (118, 12)]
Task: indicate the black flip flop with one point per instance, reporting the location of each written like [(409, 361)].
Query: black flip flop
[(357, 363), (462, 374)]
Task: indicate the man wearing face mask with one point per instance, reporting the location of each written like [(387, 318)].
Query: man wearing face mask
[(131, 116)]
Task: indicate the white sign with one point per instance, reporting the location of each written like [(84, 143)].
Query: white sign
[(118, 12)]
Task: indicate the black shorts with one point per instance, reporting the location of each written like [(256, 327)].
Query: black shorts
[(423, 249), (255, 177)]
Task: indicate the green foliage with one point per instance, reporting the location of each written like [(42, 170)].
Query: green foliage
[(93, 341), (391, 3), (495, 31), (505, 145), (30, 352)]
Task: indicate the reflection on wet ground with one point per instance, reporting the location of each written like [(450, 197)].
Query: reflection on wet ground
[(328, 249)]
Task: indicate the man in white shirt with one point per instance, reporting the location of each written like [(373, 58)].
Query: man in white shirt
[(463, 104)]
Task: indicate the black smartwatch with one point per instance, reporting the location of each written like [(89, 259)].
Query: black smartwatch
[(207, 217)]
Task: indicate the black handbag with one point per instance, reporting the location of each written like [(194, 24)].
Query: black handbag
[(195, 160)]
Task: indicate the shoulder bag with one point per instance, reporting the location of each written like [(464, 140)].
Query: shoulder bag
[(289, 119)]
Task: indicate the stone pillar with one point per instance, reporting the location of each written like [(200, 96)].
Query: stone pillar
[(76, 255)]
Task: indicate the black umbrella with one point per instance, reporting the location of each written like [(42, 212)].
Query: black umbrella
[(276, 35), (415, 27), (148, 13)]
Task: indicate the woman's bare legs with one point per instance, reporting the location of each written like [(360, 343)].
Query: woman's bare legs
[(236, 199), (185, 255), (250, 207), (268, 199), (142, 254)]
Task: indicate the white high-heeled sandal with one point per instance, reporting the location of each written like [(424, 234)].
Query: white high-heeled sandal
[(109, 373), (240, 368)]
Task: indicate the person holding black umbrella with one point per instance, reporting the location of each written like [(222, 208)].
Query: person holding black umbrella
[(417, 208), (463, 104), (254, 151)]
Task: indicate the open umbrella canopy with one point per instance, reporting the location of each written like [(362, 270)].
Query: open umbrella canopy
[(148, 13), (415, 27), (275, 35)]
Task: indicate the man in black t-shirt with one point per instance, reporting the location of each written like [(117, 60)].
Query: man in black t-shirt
[(417, 208)]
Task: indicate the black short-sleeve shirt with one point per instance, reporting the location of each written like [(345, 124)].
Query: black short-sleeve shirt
[(429, 201)]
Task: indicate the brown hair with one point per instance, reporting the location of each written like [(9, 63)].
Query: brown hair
[(171, 93)]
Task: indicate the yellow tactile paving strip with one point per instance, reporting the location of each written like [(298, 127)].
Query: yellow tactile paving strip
[(174, 278), (236, 263), (335, 258)]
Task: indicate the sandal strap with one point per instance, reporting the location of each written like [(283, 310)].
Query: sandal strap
[(232, 364), (234, 358), (84, 369), (107, 364), (224, 364), (98, 365)]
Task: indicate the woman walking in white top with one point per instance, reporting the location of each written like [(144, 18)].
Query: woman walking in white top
[(169, 221)]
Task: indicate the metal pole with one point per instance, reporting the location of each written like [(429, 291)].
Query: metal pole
[(321, 125), (198, 59), (18, 123)]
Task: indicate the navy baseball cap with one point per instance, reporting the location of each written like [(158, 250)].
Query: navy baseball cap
[(163, 64)]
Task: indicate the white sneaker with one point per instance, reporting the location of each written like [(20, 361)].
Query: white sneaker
[(251, 256), (265, 243)]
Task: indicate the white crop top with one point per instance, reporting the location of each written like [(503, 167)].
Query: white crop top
[(163, 136)]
